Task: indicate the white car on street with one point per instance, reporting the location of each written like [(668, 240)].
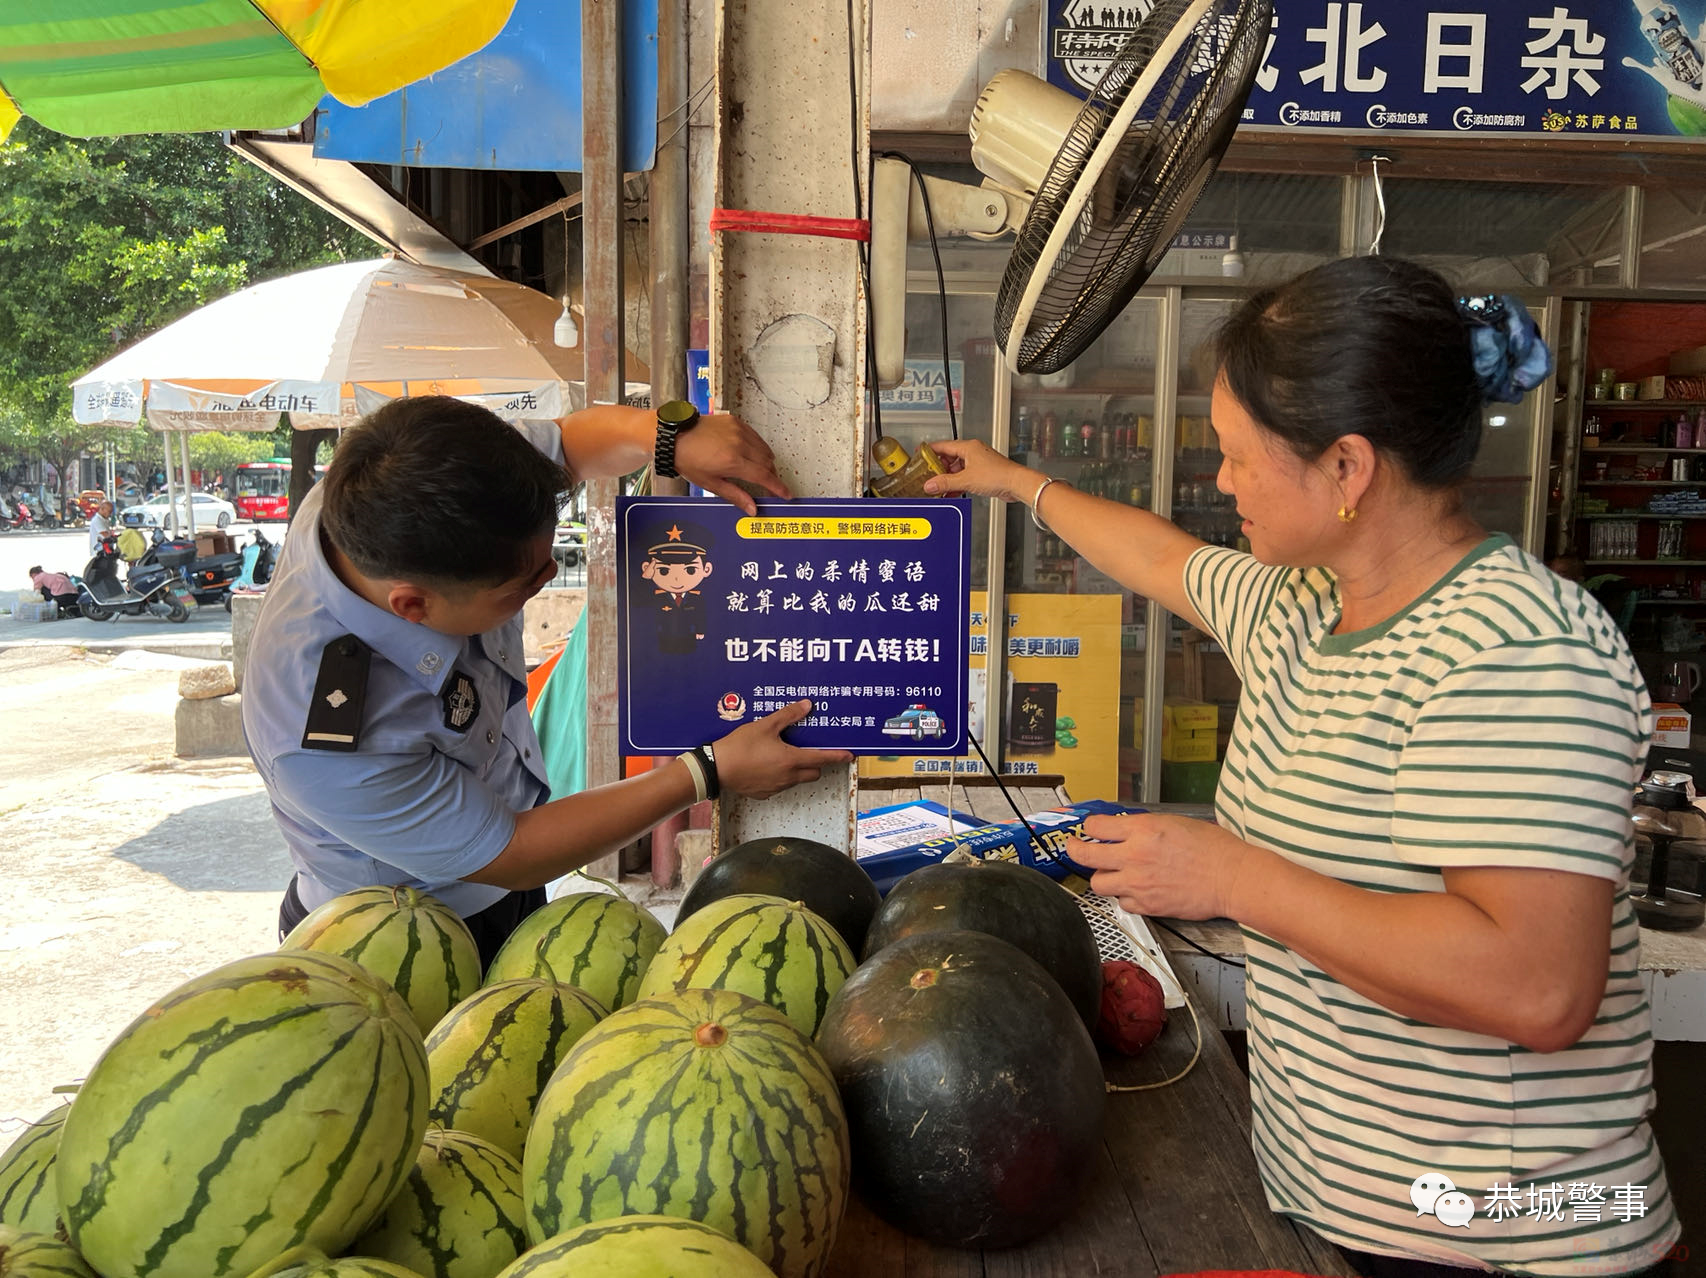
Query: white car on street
[(210, 512)]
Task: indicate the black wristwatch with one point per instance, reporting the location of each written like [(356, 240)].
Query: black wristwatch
[(674, 418)]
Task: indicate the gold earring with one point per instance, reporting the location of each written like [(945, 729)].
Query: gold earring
[(1347, 515)]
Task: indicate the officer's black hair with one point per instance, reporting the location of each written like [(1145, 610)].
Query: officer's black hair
[(1370, 346), (437, 492)]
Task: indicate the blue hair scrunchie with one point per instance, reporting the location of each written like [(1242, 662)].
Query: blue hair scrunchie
[(1511, 358)]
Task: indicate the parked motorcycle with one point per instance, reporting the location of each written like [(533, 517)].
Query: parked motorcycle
[(17, 515), (155, 584)]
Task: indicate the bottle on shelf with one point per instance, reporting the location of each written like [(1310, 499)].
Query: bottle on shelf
[(1022, 428), (1683, 432), (1590, 431), (1049, 436)]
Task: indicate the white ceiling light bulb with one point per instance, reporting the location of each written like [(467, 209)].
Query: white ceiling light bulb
[(566, 332)]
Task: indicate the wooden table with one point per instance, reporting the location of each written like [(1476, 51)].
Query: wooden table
[(1174, 1190)]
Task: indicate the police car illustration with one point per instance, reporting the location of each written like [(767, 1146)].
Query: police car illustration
[(917, 721)]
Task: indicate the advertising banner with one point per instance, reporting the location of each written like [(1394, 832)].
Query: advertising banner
[(857, 604), (1062, 702), (923, 389), (1603, 68)]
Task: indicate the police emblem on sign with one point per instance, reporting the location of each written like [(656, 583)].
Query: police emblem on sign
[(461, 703)]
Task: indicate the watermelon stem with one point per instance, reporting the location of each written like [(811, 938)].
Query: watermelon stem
[(710, 1034)]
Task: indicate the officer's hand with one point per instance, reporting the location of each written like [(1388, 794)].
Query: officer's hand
[(754, 761), (721, 450)]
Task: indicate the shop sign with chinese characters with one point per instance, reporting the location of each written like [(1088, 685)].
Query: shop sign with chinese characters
[(858, 605), (1602, 68)]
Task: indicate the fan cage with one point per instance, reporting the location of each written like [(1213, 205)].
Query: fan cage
[(1147, 189)]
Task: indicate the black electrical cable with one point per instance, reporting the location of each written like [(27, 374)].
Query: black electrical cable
[(872, 391), (1036, 839), (1218, 958), (941, 283)]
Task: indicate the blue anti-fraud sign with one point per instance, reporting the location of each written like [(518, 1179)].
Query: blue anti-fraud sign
[(860, 605)]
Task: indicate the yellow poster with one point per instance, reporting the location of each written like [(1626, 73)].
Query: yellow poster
[(1062, 700)]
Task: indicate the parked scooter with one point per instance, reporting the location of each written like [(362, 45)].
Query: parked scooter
[(17, 515), (156, 587), (259, 556), (210, 576)]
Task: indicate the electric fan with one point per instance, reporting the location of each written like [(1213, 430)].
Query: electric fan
[(1095, 190)]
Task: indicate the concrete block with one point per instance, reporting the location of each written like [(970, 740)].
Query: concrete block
[(199, 683), (693, 848), (210, 728), (546, 620), (245, 610)]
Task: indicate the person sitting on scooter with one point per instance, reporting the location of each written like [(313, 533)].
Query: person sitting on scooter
[(55, 587), (99, 522)]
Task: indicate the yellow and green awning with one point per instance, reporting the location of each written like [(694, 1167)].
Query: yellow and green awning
[(106, 67)]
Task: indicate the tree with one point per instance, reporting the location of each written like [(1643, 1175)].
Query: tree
[(105, 240)]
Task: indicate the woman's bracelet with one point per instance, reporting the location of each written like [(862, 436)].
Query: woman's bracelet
[(695, 769), (1036, 499)]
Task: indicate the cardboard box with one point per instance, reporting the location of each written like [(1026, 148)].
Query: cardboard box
[(212, 543), (1186, 719), (1672, 725), (1651, 387), (1689, 362), (1190, 747)]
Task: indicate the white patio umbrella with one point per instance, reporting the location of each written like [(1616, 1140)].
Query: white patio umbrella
[(328, 344)]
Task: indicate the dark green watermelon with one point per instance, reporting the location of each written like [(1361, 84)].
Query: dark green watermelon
[(1022, 906), (973, 1092), (828, 883)]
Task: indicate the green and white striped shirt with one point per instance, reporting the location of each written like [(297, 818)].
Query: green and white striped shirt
[(1498, 721)]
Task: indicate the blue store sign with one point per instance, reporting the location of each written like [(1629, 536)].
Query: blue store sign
[(1605, 68), (860, 605)]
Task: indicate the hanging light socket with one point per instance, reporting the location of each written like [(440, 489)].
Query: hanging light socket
[(1232, 264), (566, 332)]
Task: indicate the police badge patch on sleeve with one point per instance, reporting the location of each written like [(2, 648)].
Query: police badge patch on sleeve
[(461, 702)]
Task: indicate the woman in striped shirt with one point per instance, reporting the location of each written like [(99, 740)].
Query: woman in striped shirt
[(1423, 818)]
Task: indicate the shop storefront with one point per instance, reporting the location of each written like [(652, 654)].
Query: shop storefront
[(1605, 241)]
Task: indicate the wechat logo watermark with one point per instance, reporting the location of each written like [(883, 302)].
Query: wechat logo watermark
[(1433, 1194)]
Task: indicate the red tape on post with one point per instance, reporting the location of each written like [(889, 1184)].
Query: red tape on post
[(836, 228)]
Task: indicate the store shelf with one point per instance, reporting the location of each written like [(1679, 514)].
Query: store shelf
[(1650, 563), (1646, 403), (1638, 514), (1643, 483), (1670, 603), (1628, 449)]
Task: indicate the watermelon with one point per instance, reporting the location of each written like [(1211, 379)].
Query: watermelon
[(707, 1105), (764, 947), (973, 1091), (1022, 906), (415, 943), (639, 1247), (24, 1253), (490, 1058), (460, 1212), (311, 1262), (828, 883), (274, 1101), (27, 1200), (600, 942)]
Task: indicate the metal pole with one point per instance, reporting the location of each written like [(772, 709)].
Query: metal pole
[(669, 267), (189, 493), (601, 249), (171, 521)]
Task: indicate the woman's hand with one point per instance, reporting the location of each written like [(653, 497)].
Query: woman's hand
[(755, 762), (978, 469), (1166, 866), (722, 449)]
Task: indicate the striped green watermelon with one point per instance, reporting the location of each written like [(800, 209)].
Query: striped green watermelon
[(639, 1247), (24, 1253), (775, 951), (600, 942), (274, 1101), (460, 1212), (707, 1105), (415, 943), (311, 1262), (27, 1200), (492, 1056)]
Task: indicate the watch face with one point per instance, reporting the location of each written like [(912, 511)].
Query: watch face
[(678, 413)]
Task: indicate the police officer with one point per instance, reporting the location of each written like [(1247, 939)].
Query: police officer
[(678, 559), (384, 699)]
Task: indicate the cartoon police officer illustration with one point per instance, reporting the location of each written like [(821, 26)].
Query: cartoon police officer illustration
[(677, 560)]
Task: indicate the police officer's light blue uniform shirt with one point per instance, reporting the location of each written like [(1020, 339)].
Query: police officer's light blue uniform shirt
[(420, 803)]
